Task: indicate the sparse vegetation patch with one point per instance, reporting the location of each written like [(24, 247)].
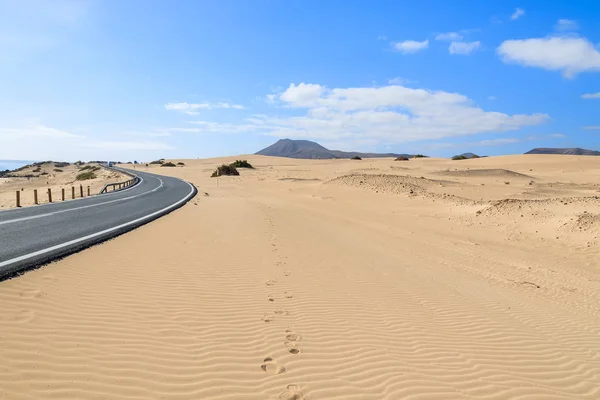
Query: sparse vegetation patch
[(225, 170), (90, 167), (84, 176), (241, 164), (356, 158), (168, 164)]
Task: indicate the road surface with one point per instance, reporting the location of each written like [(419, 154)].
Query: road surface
[(36, 235)]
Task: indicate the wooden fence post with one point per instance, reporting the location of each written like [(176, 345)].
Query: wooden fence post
[(35, 198), (18, 198), (73, 192), (88, 191), (63, 194), (49, 195), (81, 190)]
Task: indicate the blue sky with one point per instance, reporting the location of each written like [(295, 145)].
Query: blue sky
[(145, 79)]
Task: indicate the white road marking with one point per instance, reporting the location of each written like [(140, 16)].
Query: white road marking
[(12, 221), (81, 239)]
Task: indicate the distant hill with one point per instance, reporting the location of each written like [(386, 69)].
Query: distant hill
[(307, 149), (572, 151)]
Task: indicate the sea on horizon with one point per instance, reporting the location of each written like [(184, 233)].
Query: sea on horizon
[(13, 164)]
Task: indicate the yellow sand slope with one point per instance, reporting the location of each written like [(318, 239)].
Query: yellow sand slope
[(55, 177), (330, 279)]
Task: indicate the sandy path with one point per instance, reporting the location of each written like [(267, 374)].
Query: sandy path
[(346, 292)]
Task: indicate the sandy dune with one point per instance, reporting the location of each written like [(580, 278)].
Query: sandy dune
[(337, 279), (49, 176)]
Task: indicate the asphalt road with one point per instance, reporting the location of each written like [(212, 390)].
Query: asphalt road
[(33, 236)]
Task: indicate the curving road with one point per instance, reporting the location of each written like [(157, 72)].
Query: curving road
[(36, 235)]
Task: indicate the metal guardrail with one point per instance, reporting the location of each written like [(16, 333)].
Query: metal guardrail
[(120, 185)]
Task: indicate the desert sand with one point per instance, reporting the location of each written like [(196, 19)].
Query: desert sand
[(328, 279), (49, 176)]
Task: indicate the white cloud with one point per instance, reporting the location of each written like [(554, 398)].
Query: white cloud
[(382, 37), (519, 12), (463, 48), (492, 98), (39, 142), (571, 55), (588, 96), (449, 36), (411, 46), (401, 81), (557, 136), (301, 94), (592, 128), (566, 25), (388, 114), (192, 108)]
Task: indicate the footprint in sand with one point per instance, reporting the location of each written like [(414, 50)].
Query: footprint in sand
[(270, 282), (288, 296), (287, 273), (281, 312), (272, 367), (268, 318), (271, 298), (292, 392), (293, 337), (291, 342)]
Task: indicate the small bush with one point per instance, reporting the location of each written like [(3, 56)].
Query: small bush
[(356, 158), (168, 164), (475, 156), (91, 168), (456, 158), (57, 170), (241, 164), (44, 173), (84, 176), (420, 156), (225, 170), (38, 169), (61, 164), (401, 159), (180, 164), (79, 163), (157, 162)]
